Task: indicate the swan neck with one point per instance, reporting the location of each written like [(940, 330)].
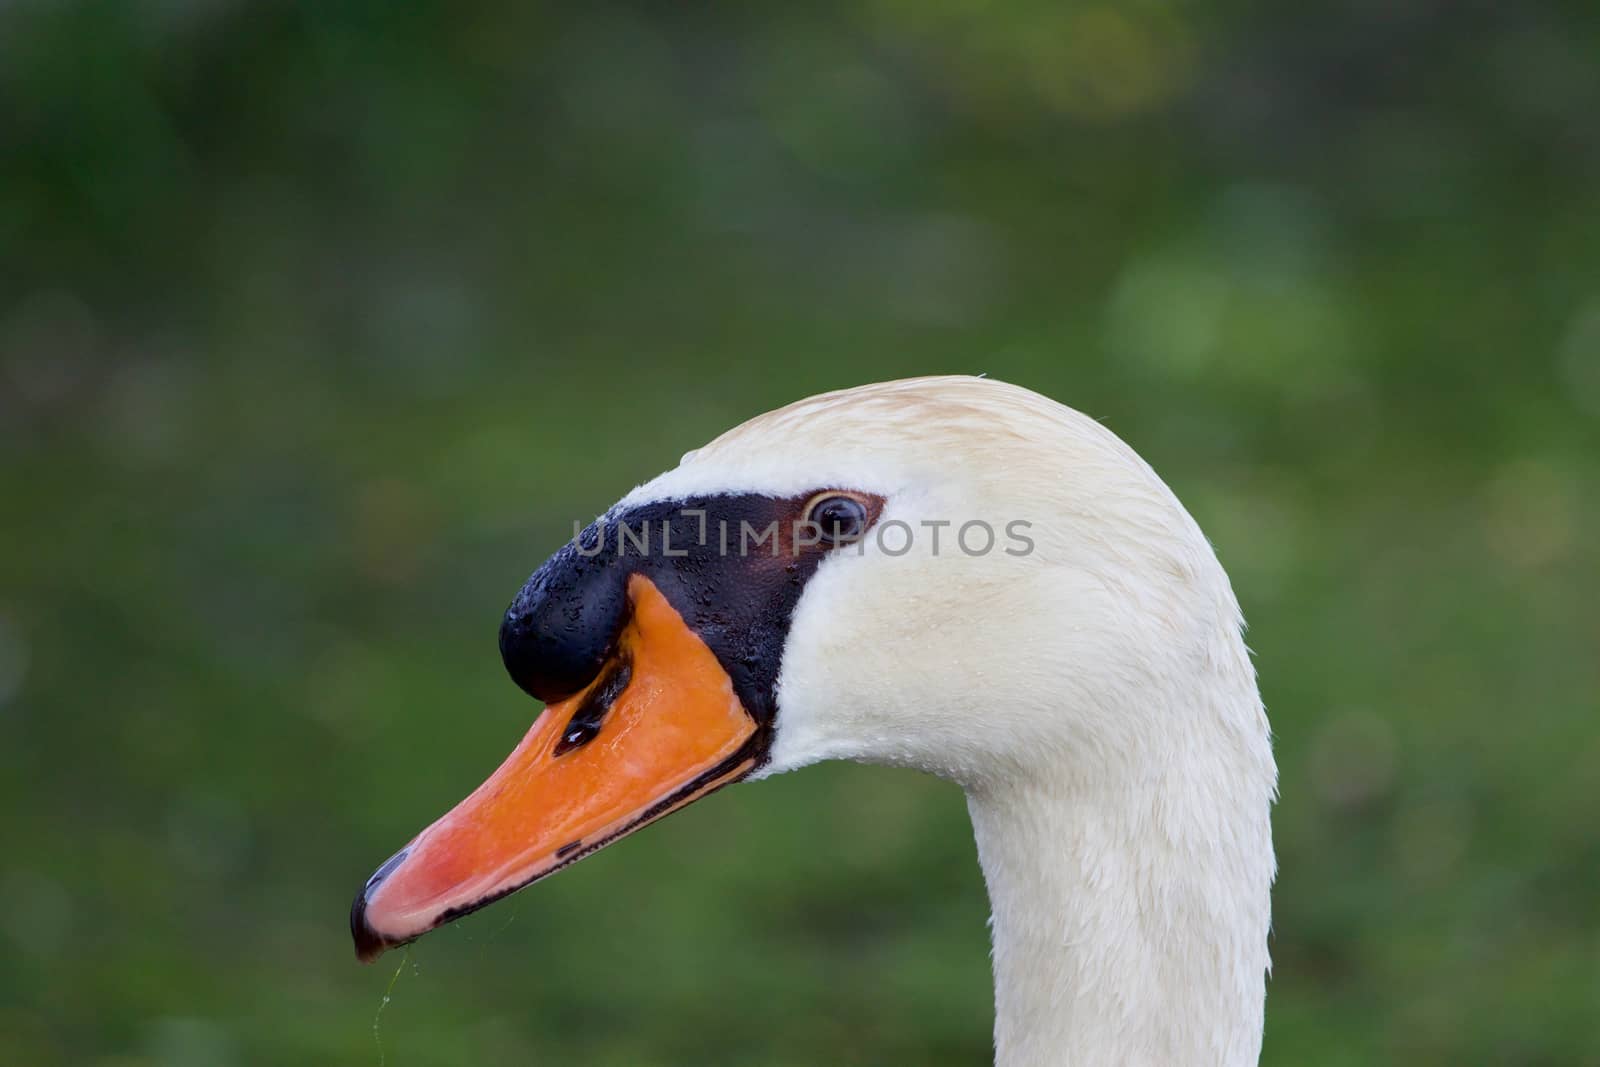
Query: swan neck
[(1129, 923)]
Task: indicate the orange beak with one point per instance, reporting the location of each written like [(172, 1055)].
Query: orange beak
[(658, 728)]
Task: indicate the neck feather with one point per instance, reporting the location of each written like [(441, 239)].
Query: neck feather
[(1130, 918)]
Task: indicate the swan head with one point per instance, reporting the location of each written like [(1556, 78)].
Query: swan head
[(952, 573)]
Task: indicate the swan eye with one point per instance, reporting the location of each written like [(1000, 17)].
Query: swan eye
[(841, 519)]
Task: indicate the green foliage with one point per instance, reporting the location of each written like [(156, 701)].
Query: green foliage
[(320, 323)]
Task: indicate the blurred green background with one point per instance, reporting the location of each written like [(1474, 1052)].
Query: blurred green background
[(321, 322)]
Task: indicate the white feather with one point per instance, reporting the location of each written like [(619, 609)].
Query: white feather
[(1094, 697)]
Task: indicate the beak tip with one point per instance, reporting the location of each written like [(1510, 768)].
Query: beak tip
[(370, 944)]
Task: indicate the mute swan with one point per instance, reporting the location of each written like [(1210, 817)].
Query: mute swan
[(1082, 677)]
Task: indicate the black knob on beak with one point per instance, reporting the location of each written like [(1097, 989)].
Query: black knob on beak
[(563, 624)]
